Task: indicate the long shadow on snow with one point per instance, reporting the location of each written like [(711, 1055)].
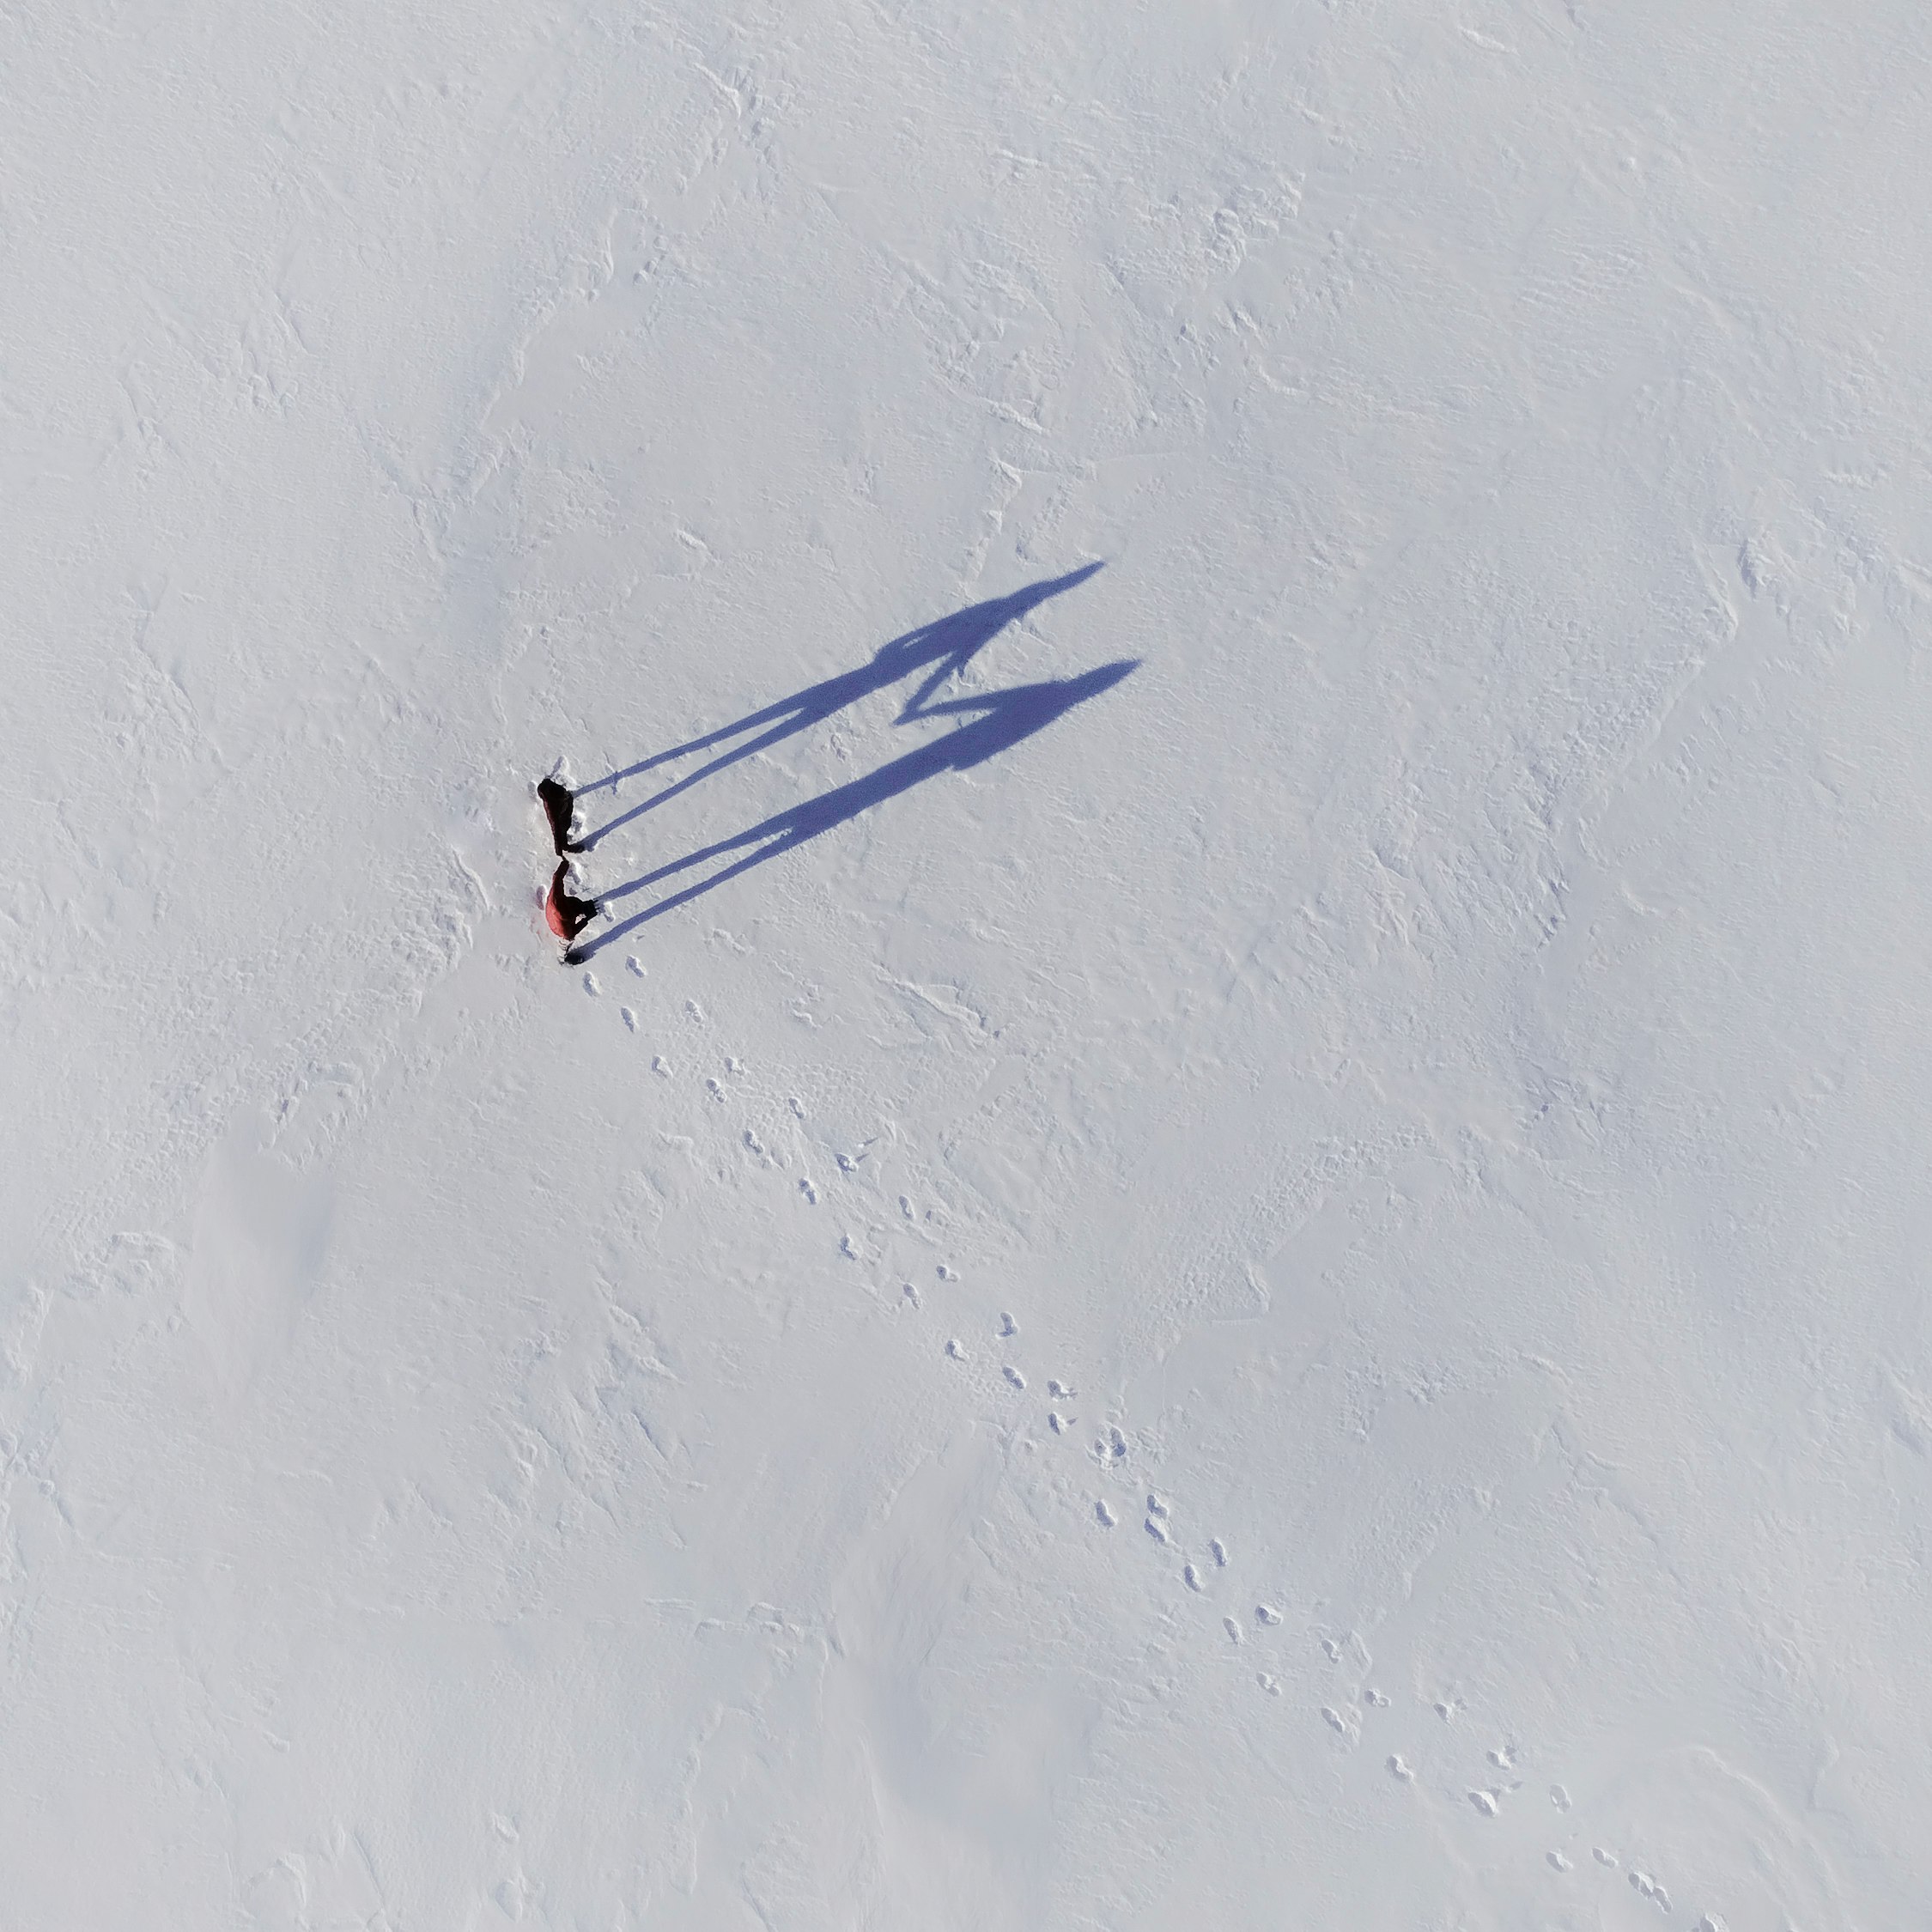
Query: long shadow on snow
[(1007, 717), (939, 648)]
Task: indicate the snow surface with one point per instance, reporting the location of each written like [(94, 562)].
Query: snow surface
[(1295, 1297)]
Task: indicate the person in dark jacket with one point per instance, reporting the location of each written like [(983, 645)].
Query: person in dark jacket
[(560, 807)]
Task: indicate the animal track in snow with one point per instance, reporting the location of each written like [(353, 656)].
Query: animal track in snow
[(1105, 1515)]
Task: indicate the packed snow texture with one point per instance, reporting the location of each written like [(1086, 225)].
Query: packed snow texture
[(1288, 1291)]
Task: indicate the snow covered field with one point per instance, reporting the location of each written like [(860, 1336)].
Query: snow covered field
[(1286, 1288)]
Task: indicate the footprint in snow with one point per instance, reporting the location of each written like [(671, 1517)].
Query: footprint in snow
[(1646, 1886)]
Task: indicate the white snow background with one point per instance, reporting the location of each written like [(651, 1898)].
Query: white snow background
[(1435, 1063)]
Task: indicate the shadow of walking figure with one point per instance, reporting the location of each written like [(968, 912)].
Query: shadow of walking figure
[(940, 649), (1004, 719)]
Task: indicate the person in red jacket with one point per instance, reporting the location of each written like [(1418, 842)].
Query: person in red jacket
[(567, 916)]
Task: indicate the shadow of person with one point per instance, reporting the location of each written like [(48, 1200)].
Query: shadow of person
[(1003, 720), (939, 648)]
